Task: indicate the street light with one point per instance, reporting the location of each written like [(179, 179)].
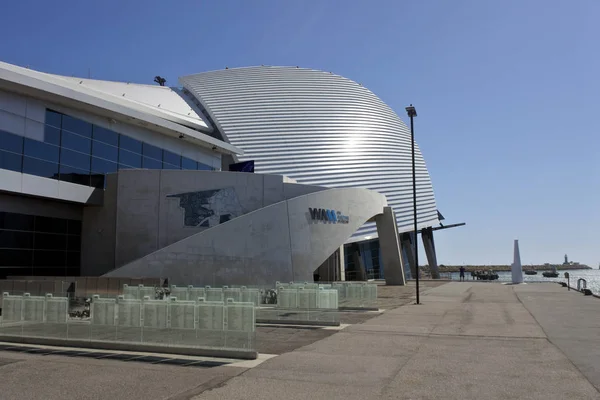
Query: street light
[(412, 112)]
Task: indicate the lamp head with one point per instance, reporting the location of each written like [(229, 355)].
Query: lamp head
[(411, 111)]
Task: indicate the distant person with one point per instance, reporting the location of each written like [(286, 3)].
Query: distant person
[(462, 273)]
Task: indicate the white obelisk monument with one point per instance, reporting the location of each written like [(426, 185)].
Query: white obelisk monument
[(517, 270)]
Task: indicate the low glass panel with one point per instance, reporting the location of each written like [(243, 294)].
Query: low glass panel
[(41, 168), (74, 175)]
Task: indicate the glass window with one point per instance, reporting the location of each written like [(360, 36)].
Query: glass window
[(73, 259), (18, 222), (52, 135), (97, 181), (75, 175), (15, 258), (75, 159), (41, 150), (122, 166), (73, 227), (50, 241), (106, 136), (37, 167), (11, 142), (11, 161), (171, 158), (130, 159), (73, 243), (169, 166), (53, 118), (205, 167), (15, 240), (130, 144), (75, 142), (103, 166), (105, 151), (76, 125), (50, 225), (48, 258), (188, 163), (152, 151), (151, 163)]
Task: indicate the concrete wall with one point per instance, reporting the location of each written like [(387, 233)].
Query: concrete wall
[(98, 233), (46, 208), (279, 242), (149, 214)]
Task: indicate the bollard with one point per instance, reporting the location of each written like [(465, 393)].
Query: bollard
[(568, 280)]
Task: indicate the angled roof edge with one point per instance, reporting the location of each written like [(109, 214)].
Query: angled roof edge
[(55, 89)]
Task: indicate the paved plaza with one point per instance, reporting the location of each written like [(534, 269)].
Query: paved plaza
[(469, 340)]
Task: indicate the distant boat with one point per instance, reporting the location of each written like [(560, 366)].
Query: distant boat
[(550, 274), (530, 272)]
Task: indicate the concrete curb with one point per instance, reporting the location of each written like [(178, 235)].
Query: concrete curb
[(129, 346)]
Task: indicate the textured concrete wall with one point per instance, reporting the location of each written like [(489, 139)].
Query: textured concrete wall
[(98, 233), (280, 242)]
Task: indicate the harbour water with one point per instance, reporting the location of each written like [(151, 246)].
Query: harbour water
[(592, 276)]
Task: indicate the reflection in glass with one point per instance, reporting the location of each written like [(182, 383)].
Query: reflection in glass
[(204, 167), (105, 151), (76, 125), (75, 159), (75, 142), (187, 163), (106, 136), (151, 163), (74, 175), (103, 166), (41, 168), (130, 144), (41, 150), (11, 161), (11, 142), (131, 159), (172, 158), (152, 151)]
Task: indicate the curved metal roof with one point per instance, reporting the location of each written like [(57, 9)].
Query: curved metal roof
[(319, 129)]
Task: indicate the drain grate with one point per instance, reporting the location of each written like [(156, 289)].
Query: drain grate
[(115, 356)]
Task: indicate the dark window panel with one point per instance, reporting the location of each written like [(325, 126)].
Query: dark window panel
[(122, 166), (11, 142), (50, 271), (73, 227), (41, 150), (172, 158), (52, 135), (48, 258), (204, 167), (151, 163), (15, 258), (53, 118), (169, 166), (76, 125), (76, 142), (130, 144), (73, 271), (11, 161), (73, 259), (14, 271), (18, 222), (106, 136), (103, 166), (50, 225), (105, 151), (131, 159), (74, 175), (152, 151), (15, 239), (50, 241), (98, 181), (75, 159), (40, 168), (73, 243), (188, 163)]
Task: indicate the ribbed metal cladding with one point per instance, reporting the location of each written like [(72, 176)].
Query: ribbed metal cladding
[(320, 129)]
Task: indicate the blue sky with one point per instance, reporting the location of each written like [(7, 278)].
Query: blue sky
[(505, 90)]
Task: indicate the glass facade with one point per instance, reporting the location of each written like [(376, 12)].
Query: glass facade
[(79, 152), (371, 256), (36, 245)]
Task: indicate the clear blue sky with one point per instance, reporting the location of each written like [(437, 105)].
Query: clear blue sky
[(505, 90)]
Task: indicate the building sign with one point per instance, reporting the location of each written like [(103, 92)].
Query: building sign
[(325, 215)]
